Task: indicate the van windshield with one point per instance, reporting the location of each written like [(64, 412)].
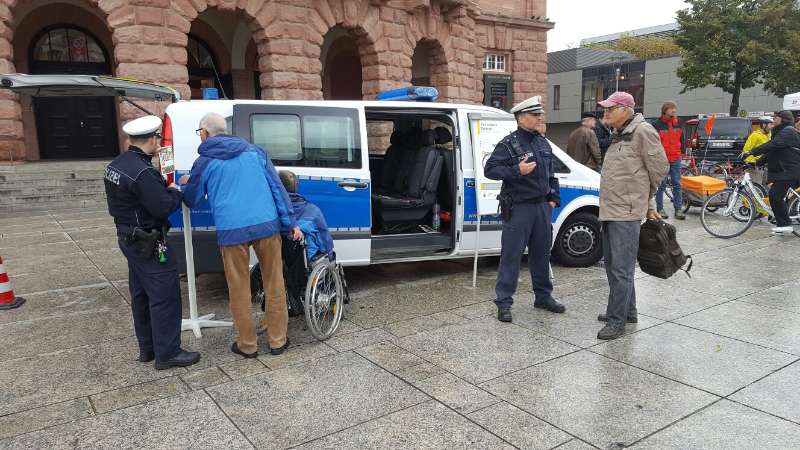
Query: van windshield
[(726, 128)]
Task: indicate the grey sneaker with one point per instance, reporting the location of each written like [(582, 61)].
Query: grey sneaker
[(663, 214), (679, 215), (610, 332)]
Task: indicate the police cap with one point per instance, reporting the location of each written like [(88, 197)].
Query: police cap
[(142, 127), (532, 105)]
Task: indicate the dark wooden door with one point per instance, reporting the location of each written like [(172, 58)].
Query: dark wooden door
[(76, 127)]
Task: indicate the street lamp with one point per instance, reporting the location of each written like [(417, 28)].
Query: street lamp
[(616, 89)]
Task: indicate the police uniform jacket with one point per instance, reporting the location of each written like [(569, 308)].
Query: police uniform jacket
[(521, 145), (137, 194)]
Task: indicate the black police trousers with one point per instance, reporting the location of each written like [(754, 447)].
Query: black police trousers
[(156, 302), (530, 227)]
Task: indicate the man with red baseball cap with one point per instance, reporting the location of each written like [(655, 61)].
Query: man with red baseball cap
[(633, 169)]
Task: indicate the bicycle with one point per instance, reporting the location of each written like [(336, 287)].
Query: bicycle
[(731, 212)]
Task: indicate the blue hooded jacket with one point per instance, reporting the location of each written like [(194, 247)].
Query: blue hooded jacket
[(247, 198), (312, 223)]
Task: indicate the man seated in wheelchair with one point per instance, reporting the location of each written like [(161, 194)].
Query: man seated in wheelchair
[(310, 219)]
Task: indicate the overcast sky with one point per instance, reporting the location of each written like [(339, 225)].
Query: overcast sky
[(579, 19)]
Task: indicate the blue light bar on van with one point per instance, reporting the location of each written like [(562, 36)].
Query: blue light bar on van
[(410, 94)]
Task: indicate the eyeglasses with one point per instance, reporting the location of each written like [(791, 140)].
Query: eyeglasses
[(613, 108), (199, 131), (158, 135)]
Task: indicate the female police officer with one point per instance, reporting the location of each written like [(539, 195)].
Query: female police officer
[(140, 202), (523, 160)]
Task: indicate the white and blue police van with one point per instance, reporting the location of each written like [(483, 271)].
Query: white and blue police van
[(396, 180)]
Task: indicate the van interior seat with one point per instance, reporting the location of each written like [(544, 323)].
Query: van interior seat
[(391, 162), (443, 138), (416, 201)]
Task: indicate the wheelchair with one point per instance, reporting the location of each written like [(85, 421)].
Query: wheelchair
[(314, 288)]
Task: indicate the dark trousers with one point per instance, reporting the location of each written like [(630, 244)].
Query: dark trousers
[(156, 303), (777, 194), (620, 248), (674, 178), (530, 227)]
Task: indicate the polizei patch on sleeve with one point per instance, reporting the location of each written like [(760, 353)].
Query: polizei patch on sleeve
[(112, 175)]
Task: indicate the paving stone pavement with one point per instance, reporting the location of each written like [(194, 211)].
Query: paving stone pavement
[(418, 362)]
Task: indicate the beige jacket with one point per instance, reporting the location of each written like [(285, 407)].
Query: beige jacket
[(633, 168)]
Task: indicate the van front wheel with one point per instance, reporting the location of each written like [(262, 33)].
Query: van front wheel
[(578, 243)]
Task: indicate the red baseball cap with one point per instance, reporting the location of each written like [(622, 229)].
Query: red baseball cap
[(618, 99)]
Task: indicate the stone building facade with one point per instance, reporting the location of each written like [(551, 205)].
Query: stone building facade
[(274, 49)]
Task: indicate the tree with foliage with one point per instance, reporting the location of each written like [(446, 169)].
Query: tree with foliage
[(738, 44)]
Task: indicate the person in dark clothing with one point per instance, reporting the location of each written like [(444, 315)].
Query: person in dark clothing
[(582, 145), (604, 137), (523, 160), (309, 218), (783, 166), (140, 202)]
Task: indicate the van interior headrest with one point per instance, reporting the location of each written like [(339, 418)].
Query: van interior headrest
[(397, 137), (443, 136)]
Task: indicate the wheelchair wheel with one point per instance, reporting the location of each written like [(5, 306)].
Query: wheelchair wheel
[(324, 302)]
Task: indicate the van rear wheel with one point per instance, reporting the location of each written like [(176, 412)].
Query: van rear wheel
[(578, 243)]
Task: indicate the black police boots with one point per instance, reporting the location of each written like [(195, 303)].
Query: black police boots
[(182, 359), (504, 314), (550, 304)]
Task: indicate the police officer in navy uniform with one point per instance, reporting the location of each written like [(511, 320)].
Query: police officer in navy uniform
[(523, 160), (140, 202)]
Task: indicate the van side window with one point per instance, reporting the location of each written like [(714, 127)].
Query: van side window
[(559, 166), (279, 135), (308, 140), (329, 141)]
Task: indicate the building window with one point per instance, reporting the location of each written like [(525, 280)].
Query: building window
[(68, 45), (557, 97), (600, 82), (202, 68), (494, 62)]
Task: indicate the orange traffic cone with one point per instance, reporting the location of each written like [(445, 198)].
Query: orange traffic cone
[(7, 298)]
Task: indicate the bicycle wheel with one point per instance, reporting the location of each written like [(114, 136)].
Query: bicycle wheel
[(794, 214), (324, 301), (733, 215)]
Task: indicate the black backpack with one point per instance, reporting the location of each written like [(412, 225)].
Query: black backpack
[(659, 252)]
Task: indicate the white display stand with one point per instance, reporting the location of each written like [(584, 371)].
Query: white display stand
[(194, 322), (487, 131)]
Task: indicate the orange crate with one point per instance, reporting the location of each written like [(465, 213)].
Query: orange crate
[(703, 185)]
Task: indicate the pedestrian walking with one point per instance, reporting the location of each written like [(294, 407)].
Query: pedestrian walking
[(140, 202), (523, 160), (583, 146), (250, 209), (669, 131), (783, 167), (634, 167)]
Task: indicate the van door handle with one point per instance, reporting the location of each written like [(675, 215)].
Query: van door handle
[(353, 184)]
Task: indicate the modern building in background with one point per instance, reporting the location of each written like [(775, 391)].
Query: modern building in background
[(580, 77), (484, 51)]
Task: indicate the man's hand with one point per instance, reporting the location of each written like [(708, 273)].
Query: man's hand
[(183, 180), (174, 186), (297, 234), (652, 214), (526, 167), (552, 205)]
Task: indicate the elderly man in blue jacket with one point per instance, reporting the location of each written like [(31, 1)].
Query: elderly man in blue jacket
[(251, 209)]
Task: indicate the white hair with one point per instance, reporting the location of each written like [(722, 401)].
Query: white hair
[(214, 124)]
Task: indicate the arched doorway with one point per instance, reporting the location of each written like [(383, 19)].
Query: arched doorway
[(73, 127), (341, 66), (203, 68), (429, 65)]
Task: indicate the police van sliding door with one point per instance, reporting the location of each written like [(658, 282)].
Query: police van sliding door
[(326, 148)]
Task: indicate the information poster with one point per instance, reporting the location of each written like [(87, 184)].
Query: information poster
[(166, 163), (486, 133)]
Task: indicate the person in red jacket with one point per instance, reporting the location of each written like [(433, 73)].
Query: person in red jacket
[(669, 130)]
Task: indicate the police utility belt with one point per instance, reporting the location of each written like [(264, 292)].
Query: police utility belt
[(145, 243), (506, 203)]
